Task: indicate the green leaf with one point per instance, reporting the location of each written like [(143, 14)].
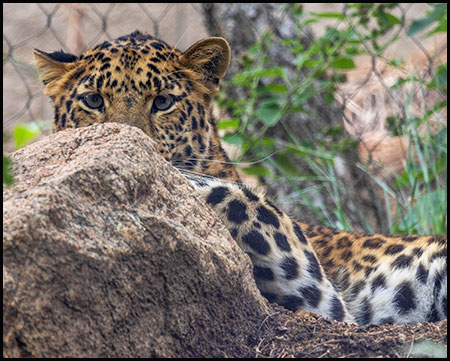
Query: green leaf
[(254, 49), (397, 62), (268, 143), (269, 112), (329, 98), (280, 72), (419, 25), (234, 138), (392, 19), (343, 63), (257, 170), (272, 88), (25, 133), (440, 79), (327, 15), (439, 14), (260, 73), (311, 21), (311, 63), (441, 28), (302, 152), (301, 97), (333, 131), (228, 123), (286, 164), (300, 59), (7, 174)]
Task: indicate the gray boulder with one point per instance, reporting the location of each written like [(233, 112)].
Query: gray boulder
[(109, 252)]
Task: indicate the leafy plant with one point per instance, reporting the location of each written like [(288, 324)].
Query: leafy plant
[(274, 93), (8, 178), (23, 134)]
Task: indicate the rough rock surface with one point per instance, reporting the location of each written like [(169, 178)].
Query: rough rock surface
[(108, 251)]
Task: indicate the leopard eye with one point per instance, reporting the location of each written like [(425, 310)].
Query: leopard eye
[(93, 100), (163, 102)]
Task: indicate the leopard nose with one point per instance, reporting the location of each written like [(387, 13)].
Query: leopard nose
[(129, 102), (122, 118), (126, 117)]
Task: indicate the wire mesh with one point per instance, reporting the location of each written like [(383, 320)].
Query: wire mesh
[(76, 27)]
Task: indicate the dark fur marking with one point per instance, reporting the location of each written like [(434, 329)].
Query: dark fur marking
[(394, 249), (217, 195), (422, 274), (292, 303), (356, 288), (402, 261), (379, 281), (370, 259), (313, 266), (269, 296), (282, 242), (337, 309), (194, 123), (346, 255), (267, 216), (60, 56), (343, 242), (311, 294), (290, 267), (257, 242), (373, 243), (68, 105), (387, 321), (365, 313), (250, 195), (263, 273), (404, 299), (298, 232)]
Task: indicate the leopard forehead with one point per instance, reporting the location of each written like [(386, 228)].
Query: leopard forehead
[(136, 63), (131, 50)]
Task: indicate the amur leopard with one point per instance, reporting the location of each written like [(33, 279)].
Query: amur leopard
[(351, 277)]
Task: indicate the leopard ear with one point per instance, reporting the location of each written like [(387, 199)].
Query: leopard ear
[(209, 57), (51, 67)]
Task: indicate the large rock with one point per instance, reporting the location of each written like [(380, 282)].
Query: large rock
[(108, 251)]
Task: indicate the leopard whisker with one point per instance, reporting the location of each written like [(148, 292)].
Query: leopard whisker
[(188, 71), (234, 163), (190, 173)]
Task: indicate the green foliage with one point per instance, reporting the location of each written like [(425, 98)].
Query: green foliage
[(436, 17), (274, 93), (8, 178), (23, 134)]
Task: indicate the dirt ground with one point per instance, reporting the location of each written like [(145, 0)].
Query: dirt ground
[(304, 334)]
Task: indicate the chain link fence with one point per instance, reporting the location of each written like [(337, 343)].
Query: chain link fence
[(74, 28), (367, 97)]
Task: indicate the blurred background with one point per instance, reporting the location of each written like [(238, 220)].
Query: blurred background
[(339, 111)]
